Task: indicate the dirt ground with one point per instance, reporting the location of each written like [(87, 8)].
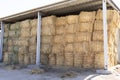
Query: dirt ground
[(24, 74)]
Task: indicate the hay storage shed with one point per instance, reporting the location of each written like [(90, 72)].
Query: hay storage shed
[(68, 33)]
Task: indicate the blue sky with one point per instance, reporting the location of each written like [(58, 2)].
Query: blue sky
[(9, 7)]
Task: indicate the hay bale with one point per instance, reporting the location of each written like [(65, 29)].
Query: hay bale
[(57, 48), (23, 42), (5, 58), (10, 48), (52, 59), (32, 48), (88, 60), (47, 39), (61, 21), (112, 15), (59, 59), (69, 48), (72, 19), (11, 33), (33, 23), (5, 48), (21, 58), (6, 34), (37, 71), (69, 38), (23, 49), (60, 30), (87, 16), (98, 25), (32, 58), (50, 20), (5, 41), (83, 36), (33, 31), (85, 27), (6, 27), (71, 28), (15, 26), (96, 46), (46, 48), (69, 57), (44, 59), (59, 39), (25, 24), (10, 42), (32, 41), (48, 30), (99, 60), (26, 59), (98, 36), (78, 60), (25, 32), (16, 49), (82, 47), (15, 41)]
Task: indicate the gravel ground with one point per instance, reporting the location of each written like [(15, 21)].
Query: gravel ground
[(24, 74)]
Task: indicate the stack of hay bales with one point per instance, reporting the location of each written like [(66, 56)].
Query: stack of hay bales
[(48, 32), (33, 41), (83, 39), (72, 41), (12, 34), (59, 41), (5, 44), (97, 44), (70, 32), (20, 42)]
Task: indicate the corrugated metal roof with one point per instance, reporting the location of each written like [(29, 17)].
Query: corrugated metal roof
[(61, 8)]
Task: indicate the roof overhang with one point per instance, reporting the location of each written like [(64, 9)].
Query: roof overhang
[(60, 8)]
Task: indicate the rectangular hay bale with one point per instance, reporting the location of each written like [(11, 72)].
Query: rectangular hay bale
[(52, 59), (88, 61), (85, 27), (25, 24), (47, 39), (87, 16), (71, 28), (57, 49), (69, 57), (82, 47), (46, 48), (59, 39), (96, 46), (44, 59), (72, 19), (69, 38), (98, 36), (48, 30), (83, 36), (60, 30), (61, 21), (59, 59), (78, 60), (99, 60), (69, 48), (50, 20)]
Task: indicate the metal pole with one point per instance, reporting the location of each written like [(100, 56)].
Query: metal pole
[(105, 35), (1, 45), (38, 40)]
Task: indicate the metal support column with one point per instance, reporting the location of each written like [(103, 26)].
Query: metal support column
[(1, 45), (105, 34), (38, 39)]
